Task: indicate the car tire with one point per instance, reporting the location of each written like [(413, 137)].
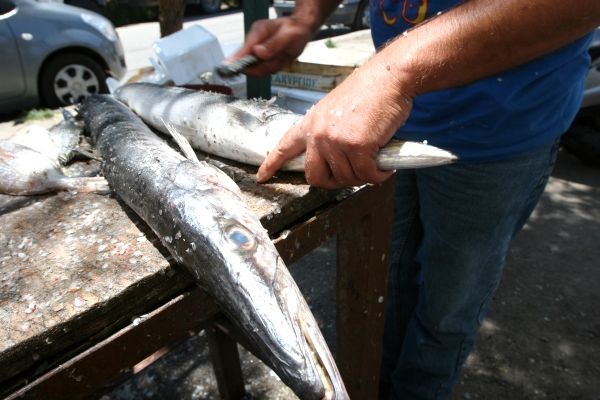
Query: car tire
[(362, 18), (70, 77)]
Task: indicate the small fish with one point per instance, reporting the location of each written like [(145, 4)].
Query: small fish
[(24, 171), (37, 138), (60, 142), (246, 130), (197, 212), (66, 135)]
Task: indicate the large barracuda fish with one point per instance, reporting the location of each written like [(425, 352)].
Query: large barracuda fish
[(246, 130), (197, 212)]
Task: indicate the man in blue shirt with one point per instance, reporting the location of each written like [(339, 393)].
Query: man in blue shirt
[(495, 81)]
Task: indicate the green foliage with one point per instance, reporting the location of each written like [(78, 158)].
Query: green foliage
[(36, 114), (330, 44)]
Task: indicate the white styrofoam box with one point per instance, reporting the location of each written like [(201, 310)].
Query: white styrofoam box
[(230, 48), (187, 54), (296, 100)]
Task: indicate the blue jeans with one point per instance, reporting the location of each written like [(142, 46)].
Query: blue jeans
[(451, 232)]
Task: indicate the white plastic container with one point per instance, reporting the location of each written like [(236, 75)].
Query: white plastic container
[(296, 100), (185, 55)]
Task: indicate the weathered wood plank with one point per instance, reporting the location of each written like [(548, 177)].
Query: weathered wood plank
[(74, 268), (117, 354), (362, 264)]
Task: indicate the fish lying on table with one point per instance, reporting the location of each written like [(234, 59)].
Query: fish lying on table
[(197, 212), (24, 171), (61, 142), (246, 130)]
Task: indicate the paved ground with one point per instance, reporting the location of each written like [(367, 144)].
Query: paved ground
[(540, 341)]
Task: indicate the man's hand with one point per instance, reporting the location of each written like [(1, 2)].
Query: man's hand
[(343, 133), (276, 43)]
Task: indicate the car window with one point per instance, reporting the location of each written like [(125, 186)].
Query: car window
[(6, 6)]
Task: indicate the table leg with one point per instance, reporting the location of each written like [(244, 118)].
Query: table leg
[(362, 223), (226, 364), (363, 250)]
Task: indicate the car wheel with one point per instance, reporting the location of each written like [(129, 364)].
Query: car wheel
[(209, 6), (362, 19), (70, 78)]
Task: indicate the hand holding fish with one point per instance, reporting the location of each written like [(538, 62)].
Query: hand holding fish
[(276, 43), (343, 133)]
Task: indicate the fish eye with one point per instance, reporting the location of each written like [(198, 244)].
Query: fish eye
[(240, 237)]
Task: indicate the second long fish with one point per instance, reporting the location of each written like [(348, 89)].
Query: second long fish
[(246, 130)]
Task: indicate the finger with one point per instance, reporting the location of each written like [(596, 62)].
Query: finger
[(341, 168), (259, 32), (366, 170), (317, 172), (290, 145)]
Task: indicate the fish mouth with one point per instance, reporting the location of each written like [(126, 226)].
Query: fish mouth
[(322, 378), (313, 359), (318, 361), (319, 357)]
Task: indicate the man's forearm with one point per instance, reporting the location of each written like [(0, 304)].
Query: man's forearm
[(314, 12), (480, 38)]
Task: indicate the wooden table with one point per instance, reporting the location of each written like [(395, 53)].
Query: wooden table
[(87, 291)]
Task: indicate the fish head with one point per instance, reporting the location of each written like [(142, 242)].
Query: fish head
[(256, 291)]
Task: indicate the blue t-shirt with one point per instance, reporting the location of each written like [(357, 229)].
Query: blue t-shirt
[(497, 117)]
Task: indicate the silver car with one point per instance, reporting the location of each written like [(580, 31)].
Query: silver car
[(351, 13), (54, 54)]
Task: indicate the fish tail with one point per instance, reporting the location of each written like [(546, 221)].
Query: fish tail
[(112, 85), (85, 184)]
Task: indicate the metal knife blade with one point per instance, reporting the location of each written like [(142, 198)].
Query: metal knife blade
[(235, 67)]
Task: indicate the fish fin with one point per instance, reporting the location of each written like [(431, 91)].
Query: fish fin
[(112, 85), (66, 157), (181, 141), (243, 118)]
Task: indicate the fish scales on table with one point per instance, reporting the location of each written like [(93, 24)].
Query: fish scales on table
[(246, 130), (197, 212)]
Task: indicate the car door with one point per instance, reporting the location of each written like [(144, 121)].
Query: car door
[(12, 79)]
